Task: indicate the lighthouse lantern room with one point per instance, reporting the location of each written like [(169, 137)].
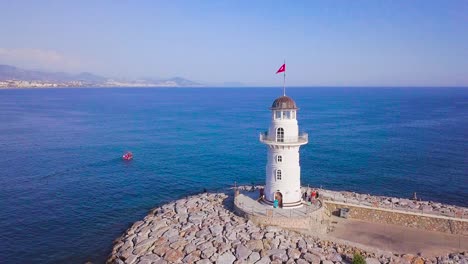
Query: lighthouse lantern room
[(283, 172)]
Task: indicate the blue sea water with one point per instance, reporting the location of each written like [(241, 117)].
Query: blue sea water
[(65, 193)]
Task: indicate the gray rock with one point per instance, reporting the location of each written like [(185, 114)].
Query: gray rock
[(203, 261), (144, 261), (264, 260), (158, 225), (293, 253), (301, 244), (118, 261), (327, 262), (335, 257), (256, 235), (317, 251), (137, 224), (191, 258), (223, 247), (404, 202), (284, 245), (275, 243), (151, 258), (254, 245), (278, 254), (242, 252), (196, 219), (181, 209), (189, 248), (232, 236), (173, 239), (140, 250), (311, 258), (173, 255), (159, 232), (208, 252), (131, 259), (226, 258), (171, 232), (216, 230), (255, 256), (161, 261), (147, 242), (205, 245), (214, 257)]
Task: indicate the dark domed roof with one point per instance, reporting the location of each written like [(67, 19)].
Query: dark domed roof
[(283, 102)]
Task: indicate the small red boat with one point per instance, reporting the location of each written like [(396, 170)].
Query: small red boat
[(127, 156)]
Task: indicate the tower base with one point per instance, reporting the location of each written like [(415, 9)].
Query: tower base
[(285, 205)]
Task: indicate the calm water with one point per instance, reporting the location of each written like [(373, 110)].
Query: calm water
[(65, 194)]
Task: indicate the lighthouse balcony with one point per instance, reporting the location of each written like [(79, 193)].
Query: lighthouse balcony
[(300, 139)]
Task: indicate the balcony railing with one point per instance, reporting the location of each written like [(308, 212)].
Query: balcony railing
[(302, 138)]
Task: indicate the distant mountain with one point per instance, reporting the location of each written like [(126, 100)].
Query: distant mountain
[(171, 82), (179, 81), (14, 76), (8, 72), (89, 77)]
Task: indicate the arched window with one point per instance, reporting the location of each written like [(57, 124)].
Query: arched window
[(280, 134), (278, 174), (279, 158)]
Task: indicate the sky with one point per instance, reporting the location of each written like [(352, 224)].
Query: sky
[(324, 43)]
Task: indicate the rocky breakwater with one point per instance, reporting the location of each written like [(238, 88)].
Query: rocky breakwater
[(200, 229)]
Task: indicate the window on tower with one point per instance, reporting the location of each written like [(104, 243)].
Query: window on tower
[(287, 115), (278, 174), (278, 114), (279, 158), (280, 134)]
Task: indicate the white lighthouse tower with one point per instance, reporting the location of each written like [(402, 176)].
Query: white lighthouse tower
[(283, 172)]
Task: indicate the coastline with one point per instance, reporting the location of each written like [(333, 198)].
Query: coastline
[(97, 87), (204, 229)]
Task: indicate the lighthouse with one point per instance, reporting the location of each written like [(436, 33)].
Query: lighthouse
[(283, 140)]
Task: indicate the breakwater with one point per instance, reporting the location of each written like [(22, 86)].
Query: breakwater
[(204, 229)]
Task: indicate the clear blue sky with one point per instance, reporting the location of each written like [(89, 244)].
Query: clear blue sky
[(343, 43)]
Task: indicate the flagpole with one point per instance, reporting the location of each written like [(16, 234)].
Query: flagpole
[(284, 79)]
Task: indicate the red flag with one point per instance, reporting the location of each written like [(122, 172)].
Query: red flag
[(282, 68)]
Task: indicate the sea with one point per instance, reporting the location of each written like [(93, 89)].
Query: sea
[(66, 193)]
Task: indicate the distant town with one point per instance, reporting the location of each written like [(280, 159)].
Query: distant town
[(110, 83), (13, 77)]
